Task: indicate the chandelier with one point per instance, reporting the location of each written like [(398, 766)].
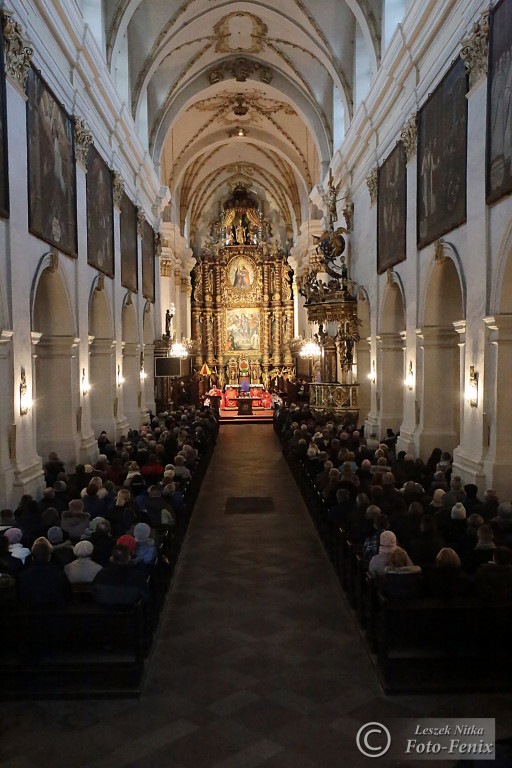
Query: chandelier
[(180, 348), (310, 349)]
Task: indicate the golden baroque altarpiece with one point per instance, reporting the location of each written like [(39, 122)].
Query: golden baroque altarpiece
[(242, 304)]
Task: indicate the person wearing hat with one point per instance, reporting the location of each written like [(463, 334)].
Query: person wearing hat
[(145, 548), (436, 505), (83, 569), (62, 552), (16, 548), (378, 563), (74, 520), (120, 582), (8, 563)]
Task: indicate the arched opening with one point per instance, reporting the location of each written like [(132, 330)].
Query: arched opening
[(6, 411), (148, 384), (497, 395), (132, 396), (440, 361), (55, 389), (363, 357), (390, 363), (102, 379)]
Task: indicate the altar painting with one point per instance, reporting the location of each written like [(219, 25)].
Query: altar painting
[(241, 274), (243, 330)]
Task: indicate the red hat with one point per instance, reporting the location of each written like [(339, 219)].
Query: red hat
[(127, 541)]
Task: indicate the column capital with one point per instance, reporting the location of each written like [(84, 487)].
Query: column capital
[(372, 183), (18, 52), (83, 141), (409, 136), (431, 336), (475, 48), (501, 325)]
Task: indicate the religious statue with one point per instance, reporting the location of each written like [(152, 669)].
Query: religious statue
[(221, 381), (168, 319), (240, 234), (266, 380)]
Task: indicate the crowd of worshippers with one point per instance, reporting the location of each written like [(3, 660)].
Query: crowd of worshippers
[(101, 525), (420, 529)]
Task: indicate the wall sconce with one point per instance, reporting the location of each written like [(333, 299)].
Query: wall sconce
[(25, 399), (120, 379), (409, 379), (373, 373), (472, 394), (85, 383), (142, 371)]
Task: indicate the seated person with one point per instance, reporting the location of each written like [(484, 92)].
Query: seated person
[(8, 563), (145, 548), (121, 582), (62, 552), (379, 561), (102, 541), (493, 581), (423, 548), (401, 578), (16, 548), (42, 584), (74, 520), (83, 569), (447, 580)]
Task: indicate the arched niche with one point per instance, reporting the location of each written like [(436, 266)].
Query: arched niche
[(131, 386), (390, 358), (363, 353), (441, 395), (55, 376), (102, 373)]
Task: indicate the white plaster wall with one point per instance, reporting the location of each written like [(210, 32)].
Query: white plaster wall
[(418, 54)]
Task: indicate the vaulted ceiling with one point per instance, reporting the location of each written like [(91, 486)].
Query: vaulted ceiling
[(255, 91)]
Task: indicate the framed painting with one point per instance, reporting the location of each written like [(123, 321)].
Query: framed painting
[(148, 262), (391, 210), (51, 168), (241, 274), (499, 104), (442, 143), (4, 171), (242, 330), (129, 271), (100, 214)]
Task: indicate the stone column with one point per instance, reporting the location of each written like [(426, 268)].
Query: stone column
[(496, 403), (102, 390), (27, 476), (149, 381), (58, 415), (131, 385), (265, 308), (7, 422), (440, 390), (390, 381)]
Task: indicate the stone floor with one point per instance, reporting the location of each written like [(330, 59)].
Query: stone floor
[(258, 661)]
